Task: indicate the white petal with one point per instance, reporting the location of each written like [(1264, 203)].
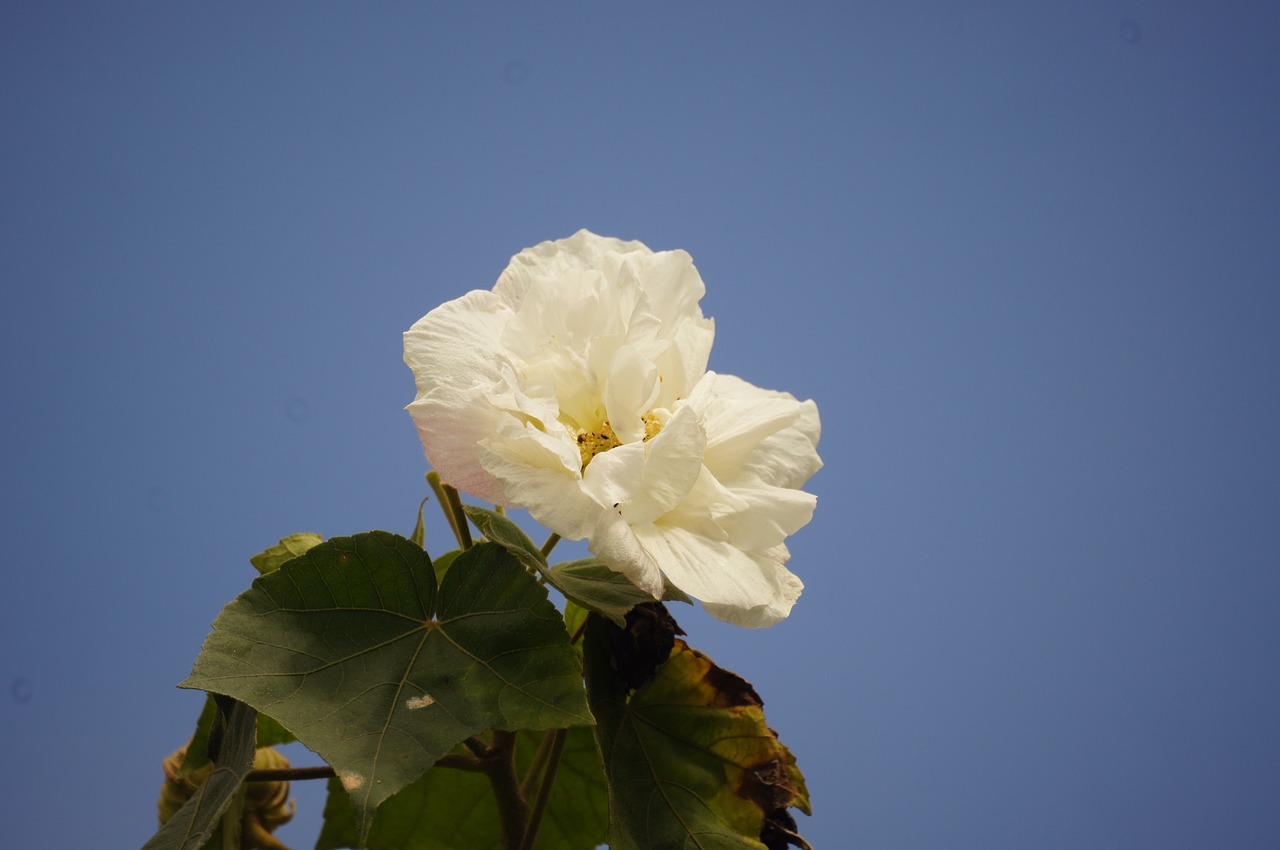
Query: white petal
[(756, 434), (614, 478), (583, 250), (771, 515), (630, 392), (685, 360), (558, 502), (453, 352), (645, 480), (713, 571), (672, 289), (787, 589), (524, 443), (456, 344), (671, 282), (614, 542), (453, 428), (554, 498)]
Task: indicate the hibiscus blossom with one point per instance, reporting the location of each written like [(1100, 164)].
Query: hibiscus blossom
[(577, 388)]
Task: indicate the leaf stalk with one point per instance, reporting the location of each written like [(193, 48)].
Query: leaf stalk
[(451, 506), (290, 774)]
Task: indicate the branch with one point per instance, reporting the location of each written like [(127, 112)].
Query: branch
[(289, 774), (544, 790), (500, 766), (460, 761), (535, 766)]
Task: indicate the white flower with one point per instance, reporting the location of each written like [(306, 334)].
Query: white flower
[(578, 389)]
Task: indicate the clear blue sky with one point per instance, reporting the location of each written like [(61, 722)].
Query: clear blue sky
[(1026, 258)]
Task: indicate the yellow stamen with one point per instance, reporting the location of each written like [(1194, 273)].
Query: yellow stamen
[(592, 443), (651, 427)]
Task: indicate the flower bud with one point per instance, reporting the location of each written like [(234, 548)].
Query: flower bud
[(266, 806)]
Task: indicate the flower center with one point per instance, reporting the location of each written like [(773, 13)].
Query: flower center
[(592, 443), (651, 427)]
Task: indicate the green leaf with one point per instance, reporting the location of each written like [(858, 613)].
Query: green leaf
[(589, 583), (501, 530), (451, 809), (419, 535), (196, 822), (352, 648), (286, 550), (441, 564), (575, 622), (671, 593), (596, 587), (270, 733), (689, 758)]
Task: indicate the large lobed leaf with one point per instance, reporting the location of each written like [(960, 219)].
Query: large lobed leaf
[(690, 761), (449, 809), (355, 651)]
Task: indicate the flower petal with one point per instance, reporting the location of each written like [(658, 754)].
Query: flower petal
[(758, 435), (787, 589), (553, 497), (452, 353), (615, 543), (748, 589), (770, 516), (630, 392), (643, 481), (583, 251)]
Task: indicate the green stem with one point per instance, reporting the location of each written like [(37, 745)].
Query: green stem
[(455, 505), (288, 774), (550, 544), (433, 480), (544, 790), (535, 766)]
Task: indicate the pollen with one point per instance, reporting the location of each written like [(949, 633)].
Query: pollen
[(592, 443), (651, 427)]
